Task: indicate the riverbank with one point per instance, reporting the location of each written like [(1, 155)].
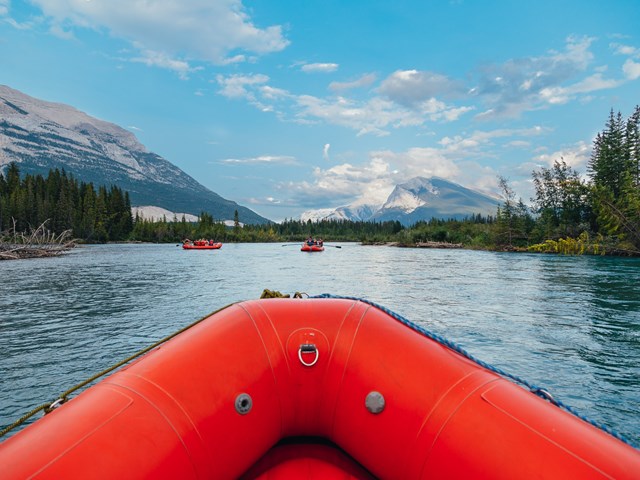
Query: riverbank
[(415, 245)]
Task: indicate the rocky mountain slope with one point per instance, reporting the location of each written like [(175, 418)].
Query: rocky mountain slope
[(418, 199), (41, 135)]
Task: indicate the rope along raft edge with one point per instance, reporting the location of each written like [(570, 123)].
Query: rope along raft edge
[(49, 406), (537, 390)]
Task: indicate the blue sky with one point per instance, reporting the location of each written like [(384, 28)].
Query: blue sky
[(286, 106)]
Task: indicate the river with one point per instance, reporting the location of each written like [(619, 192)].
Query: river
[(569, 324)]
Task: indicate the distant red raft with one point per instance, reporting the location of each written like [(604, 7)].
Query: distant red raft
[(311, 248), (205, 246)]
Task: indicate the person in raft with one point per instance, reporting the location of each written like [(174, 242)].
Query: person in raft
[(310, 241), (319, 242)]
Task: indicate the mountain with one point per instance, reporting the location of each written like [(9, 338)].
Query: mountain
[(426, 198), (40, 136), (354, 212), (419, 199)]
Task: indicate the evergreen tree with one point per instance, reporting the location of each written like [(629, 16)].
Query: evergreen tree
[(632, 146), (236, 223), (608, 161), (615, 172)]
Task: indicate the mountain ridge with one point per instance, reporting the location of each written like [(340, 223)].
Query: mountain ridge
[(41, 135), (418, 199)]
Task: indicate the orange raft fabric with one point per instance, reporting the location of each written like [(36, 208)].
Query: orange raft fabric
[(215, 246), (172, 413), (311, 248)]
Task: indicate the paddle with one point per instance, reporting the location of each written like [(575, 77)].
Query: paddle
[(334, 246)]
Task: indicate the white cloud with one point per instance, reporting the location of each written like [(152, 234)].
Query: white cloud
[(5, 7), (270, 93), (530, 83), (575, 156), (412, 88), (422, 161), (238, 86), (325, 151), (342, 184), (200, 30), (319, 67), (374, 116), (262, 160), (559, 95), (161, 60), (413, 98), (631, 69), (364, 81), (370, 117), (628, 50), (59, 31), (271, 201)]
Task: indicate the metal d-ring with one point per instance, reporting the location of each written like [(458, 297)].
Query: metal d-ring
[(545, 394), (55, 404), (308, 348)]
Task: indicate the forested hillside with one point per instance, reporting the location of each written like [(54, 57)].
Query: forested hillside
[(94, 214)]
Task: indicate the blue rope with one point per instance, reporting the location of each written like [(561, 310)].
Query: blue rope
[(539, 391)]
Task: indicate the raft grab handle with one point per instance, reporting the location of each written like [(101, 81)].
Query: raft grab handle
[(308, 348)]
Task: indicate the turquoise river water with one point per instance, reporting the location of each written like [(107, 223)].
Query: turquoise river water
[(569, 324)]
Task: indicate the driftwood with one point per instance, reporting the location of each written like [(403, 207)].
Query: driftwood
[(39, 243)]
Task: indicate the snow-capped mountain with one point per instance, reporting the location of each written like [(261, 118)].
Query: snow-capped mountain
[(426, 198), (40, 136), (317, 215), (354, 212), (418, 199)]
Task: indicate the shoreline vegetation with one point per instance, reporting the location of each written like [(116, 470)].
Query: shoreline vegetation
[(415, 245), (569, 215)]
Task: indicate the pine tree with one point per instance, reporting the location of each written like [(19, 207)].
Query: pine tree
[(608, 160), (615, 172), (632, 146), (236, 224)]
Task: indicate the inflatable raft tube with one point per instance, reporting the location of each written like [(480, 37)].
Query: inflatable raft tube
[(310, 388)]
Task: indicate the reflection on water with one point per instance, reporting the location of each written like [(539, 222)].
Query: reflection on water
[(571, 324)]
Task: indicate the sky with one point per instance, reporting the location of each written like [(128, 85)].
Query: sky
[(287, 106)]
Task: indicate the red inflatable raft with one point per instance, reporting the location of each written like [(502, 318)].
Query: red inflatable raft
[(310, 388), (206, 246), (311, 248)]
